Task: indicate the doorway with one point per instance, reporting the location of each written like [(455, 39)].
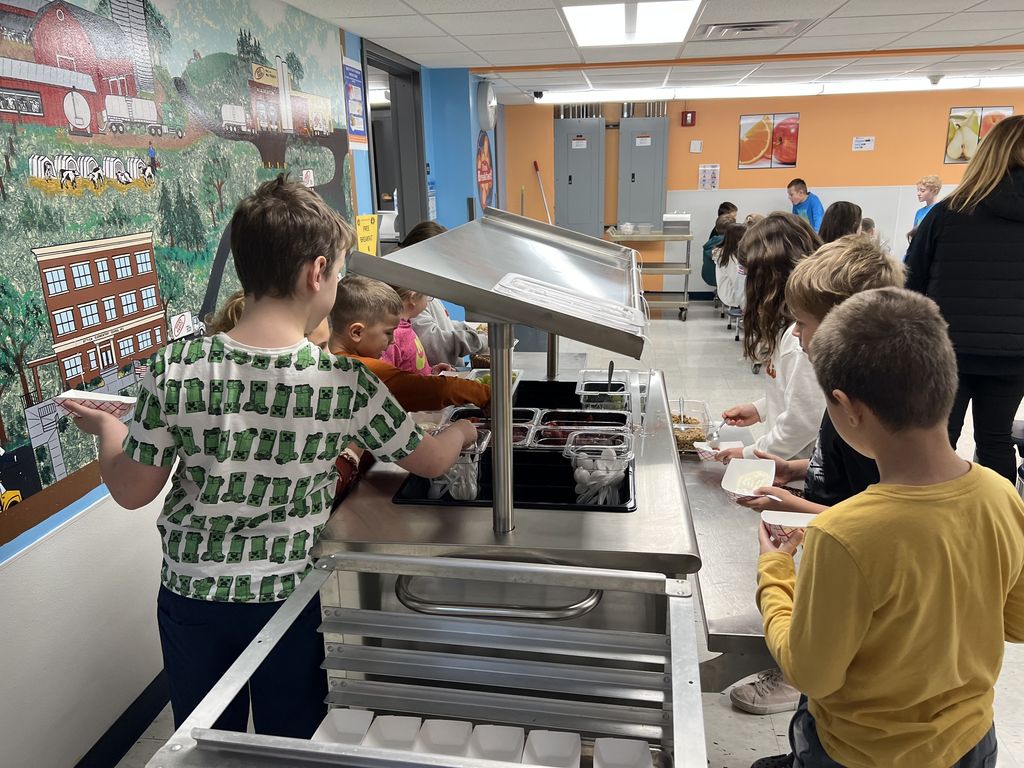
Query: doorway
[(398, 158)]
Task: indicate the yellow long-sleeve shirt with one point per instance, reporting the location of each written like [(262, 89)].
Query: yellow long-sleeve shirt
[(894, 628)]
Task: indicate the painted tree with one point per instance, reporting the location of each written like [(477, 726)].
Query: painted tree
[(166, 213), (216, 168), (249, 48), (172, 286), (179, 218), (157, 31), (22, 322), (295, 69), (194, 224)]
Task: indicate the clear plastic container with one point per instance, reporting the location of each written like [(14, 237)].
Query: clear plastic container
[(574, 420), (605, 397), (478, 417), (691, 420), (600, 461), (558, 437), (462, 480), (600, 376)]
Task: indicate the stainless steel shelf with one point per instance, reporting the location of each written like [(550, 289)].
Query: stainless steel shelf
[(618, 237)]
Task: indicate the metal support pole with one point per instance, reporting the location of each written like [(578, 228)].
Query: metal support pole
[(552, 356), (500, 339)]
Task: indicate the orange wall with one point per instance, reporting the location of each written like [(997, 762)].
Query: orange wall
[(909, 131)]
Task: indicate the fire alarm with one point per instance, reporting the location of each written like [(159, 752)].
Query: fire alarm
[(689, 119)]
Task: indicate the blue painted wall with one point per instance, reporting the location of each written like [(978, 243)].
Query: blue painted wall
[(447, 125), (360, 157)]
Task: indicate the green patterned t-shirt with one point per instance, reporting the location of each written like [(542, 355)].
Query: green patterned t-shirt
[(257, 432)]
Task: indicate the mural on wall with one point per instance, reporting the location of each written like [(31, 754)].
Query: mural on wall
[(129, 129)]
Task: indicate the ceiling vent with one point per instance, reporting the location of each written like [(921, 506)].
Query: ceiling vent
[(751, 30)]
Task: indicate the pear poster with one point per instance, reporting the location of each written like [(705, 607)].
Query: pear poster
[(967, 127)]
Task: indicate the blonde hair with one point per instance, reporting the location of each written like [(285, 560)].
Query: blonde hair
[(227, 316), (362, 300), (889, 349), (1001, 151), (932, 182), (837, 271)]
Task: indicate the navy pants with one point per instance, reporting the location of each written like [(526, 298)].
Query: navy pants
[(201, 639), (808, 752)]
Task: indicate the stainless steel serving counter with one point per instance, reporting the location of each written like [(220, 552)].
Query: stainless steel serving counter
[(727, 539), (657, 536)]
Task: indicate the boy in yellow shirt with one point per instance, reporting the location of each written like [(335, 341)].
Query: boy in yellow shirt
[(894, 628)]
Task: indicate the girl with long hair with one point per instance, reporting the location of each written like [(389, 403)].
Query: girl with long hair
[(968, 256), (730, 289), (841, 218)]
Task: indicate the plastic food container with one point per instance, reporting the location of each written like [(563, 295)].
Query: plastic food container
[(444, 737), (393, 732), (344, 726), (558, 437), (477, 415), (600, 376), (585, 419), (644, 229), (627, 228), (599, 470), (743, 476), (605, 397), (497, 742), (552, 748), (462, 480), (691, 420)]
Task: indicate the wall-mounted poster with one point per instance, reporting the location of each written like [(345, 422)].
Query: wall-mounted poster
[(354, 100), (129, 130), (484, 170), (769, 141), (967, 127)]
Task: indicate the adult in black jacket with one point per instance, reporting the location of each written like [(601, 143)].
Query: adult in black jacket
[(968, 256)]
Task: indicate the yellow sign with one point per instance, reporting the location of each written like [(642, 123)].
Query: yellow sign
[(366, 230), (264, 74)]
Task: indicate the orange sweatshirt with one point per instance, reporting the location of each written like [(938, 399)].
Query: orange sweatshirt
[(425, 393)]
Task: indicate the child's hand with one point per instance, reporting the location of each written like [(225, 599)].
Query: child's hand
[(439, 367), (788, 547), (91, 420), (777, 499), (784, 473), (729, 454), (468, 430), (741, 415)]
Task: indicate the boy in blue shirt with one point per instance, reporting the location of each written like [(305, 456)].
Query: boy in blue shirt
[(806, 204)]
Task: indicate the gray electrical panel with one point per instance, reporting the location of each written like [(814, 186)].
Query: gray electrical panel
[(643, 157), (579, 175)]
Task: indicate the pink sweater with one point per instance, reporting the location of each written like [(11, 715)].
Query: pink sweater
[(406, 352)]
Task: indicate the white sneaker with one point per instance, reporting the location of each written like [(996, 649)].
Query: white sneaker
[(768, 694)]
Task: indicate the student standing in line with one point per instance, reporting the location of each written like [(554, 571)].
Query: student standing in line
[(255, 419), (928, 189), (894, 627), (841, 218), (806, 204)]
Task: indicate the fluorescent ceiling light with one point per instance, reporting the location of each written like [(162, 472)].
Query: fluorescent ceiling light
[(641, 23), (760, 90), (600, 97), (1001, 82)]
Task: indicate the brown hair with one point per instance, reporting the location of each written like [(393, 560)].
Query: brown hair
[(227, 316), (727, 250), (1001, 151), (841, 218), (889, 349), (770, 251), (362, 300), (932, 182), (422, 231), (723, 222), (798, 184), (277, 229), (753, 218), (837, 271)]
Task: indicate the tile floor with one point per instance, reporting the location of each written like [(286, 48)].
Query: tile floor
[(701, 360)]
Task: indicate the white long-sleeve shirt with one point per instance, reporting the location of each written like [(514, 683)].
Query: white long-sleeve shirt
[(444, 340), (792, 406)]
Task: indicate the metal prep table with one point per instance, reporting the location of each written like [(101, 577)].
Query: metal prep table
[(727, 540), (662, 299)]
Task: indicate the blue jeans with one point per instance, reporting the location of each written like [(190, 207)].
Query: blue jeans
[(809, 753), (201, 639)]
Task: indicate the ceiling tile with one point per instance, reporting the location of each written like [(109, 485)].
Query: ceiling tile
[(866, 25), (538, 41), (676, 80), (441, 60), (392, 26), (778, 78), (564, 78), (733, 47), (460, 6), (889, 8), (354, 9), (410, 45), (875, 69), (505, 22), (800, 66), (1007, 20), (722, 69), (719, 11), (1015, 39), (631, 53), (845, 43), (928, 39), (625, 72), (1014, 65), (517, 58), (620, 81)]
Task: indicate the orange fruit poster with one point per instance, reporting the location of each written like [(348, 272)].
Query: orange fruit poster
[(768, 141)]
